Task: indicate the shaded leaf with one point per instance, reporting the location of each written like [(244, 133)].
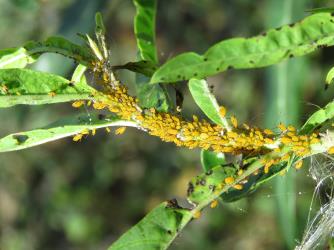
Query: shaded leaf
[(29, 53), (58, 130), (25, 86), (156, 230), (242, 53), (151, 95), (61, 46), (146, 68), (144, 27)]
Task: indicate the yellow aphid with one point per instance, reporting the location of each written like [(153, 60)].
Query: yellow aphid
[(229, 180), (268, 132), (203, 136), (246, 126), (85, 131), (222, 111), (89, 103), (267, 166), (294, 138), (120, 130), (93, 131), (99, 105), (18, 93), (281, 127), (240, 172), (214, 204), (299, 164), (285, 140), (195, 118), (197, 215), (234, 121), (4, 88), (52, 94), (331, 150), (77, 137), (314, 140), (108, 130), (238, 187), (78, 104)]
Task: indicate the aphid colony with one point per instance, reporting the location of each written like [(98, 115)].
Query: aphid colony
[(202, 134)]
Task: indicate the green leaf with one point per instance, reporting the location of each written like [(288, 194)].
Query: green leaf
[(99, 25), (25, 86), (29, 53), (318, 118), (63, 128), (146, 68), (15, 58), (156, 230), (210, 159), (150, 95), (144, 27), (243, 53), (320, 10), (61, 46), (206, 101), (330, 76), (203, 186), (79, 75)]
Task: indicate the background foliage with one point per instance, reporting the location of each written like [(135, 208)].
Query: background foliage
[(65, 195)]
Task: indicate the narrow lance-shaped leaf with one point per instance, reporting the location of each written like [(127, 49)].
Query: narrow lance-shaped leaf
[(156, 230), (21, 57), (144, 26), (267, 49), (58, 130), (206, 101), (25, 86)]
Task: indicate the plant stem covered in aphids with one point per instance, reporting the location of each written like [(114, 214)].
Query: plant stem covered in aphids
[(201, 134)]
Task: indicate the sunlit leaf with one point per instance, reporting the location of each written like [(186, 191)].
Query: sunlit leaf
[(211, 159), (330, 76), (318, 118), (25, 86), (243, 53), (206, 101), (63, 128), (15, 58)]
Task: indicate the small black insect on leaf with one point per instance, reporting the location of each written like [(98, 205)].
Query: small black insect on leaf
[(20, 138)]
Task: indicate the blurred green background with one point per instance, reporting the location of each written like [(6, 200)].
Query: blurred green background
[(66, 195)]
